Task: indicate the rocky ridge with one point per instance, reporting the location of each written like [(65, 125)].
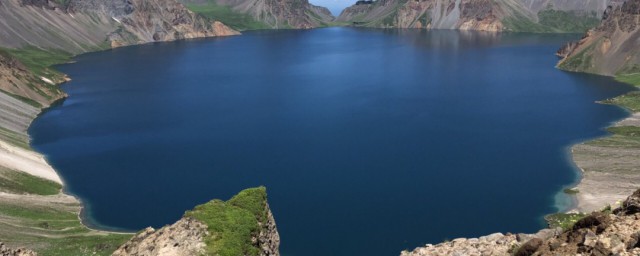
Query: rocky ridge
[(202, 230), (600, 233), (612, 48), (483, 15)]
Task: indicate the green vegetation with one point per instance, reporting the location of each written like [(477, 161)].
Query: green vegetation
[(633, 79), (571, 191), (53, 229), (629, 131), (23, 99), (561, 21), (62, 2), (17, 182), (552, 21), (46, 223), (630, 101), (616, 141), (580, 61), (14, 138), (563, 220), (39, 61), (520, 23), (226, 15), (232, 224)]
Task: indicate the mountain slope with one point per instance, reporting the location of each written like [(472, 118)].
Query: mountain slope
[(263, 14), (612, 48), (35, 34), (485, 15)]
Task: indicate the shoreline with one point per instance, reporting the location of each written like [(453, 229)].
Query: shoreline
[(599, 185), (574, 202)]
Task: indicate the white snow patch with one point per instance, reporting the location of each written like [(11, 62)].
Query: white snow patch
[(47, 80)]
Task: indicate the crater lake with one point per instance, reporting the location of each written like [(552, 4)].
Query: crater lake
[(369, 141)]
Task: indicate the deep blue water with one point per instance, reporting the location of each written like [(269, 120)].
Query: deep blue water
[(369, 141)]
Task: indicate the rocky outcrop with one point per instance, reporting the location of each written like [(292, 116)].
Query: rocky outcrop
[(268, 239), (214, 228), (183, 238), (494, 244), (483, 15), (612, 47), (5, 251), (600, 233)]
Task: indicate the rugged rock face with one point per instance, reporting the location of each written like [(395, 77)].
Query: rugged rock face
[(484, 15), (5, 251), (600, 233), (268, 238), (183, 238), (612, 47)]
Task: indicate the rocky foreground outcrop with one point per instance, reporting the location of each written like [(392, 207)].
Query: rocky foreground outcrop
[(183, 238), (600, 233), (214, 228), (483, 15), (6, 251), (609, 49)]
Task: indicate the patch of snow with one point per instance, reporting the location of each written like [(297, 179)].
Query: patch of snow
[(47, 80)]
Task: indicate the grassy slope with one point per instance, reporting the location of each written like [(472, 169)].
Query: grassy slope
[(233, 223), (552, 21), (32, 216), (226, 15), (39, 62)]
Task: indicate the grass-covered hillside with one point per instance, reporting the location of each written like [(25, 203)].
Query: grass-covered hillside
[(234, 225), (226, 15)]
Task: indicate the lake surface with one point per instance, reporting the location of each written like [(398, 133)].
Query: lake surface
[(369, 141)]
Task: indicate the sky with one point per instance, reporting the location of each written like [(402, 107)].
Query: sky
[(335, 6)]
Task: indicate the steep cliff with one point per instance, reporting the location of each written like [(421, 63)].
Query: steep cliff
[(600, 233), (242, 225), (484, 15), (612, 48), (263, 14)]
